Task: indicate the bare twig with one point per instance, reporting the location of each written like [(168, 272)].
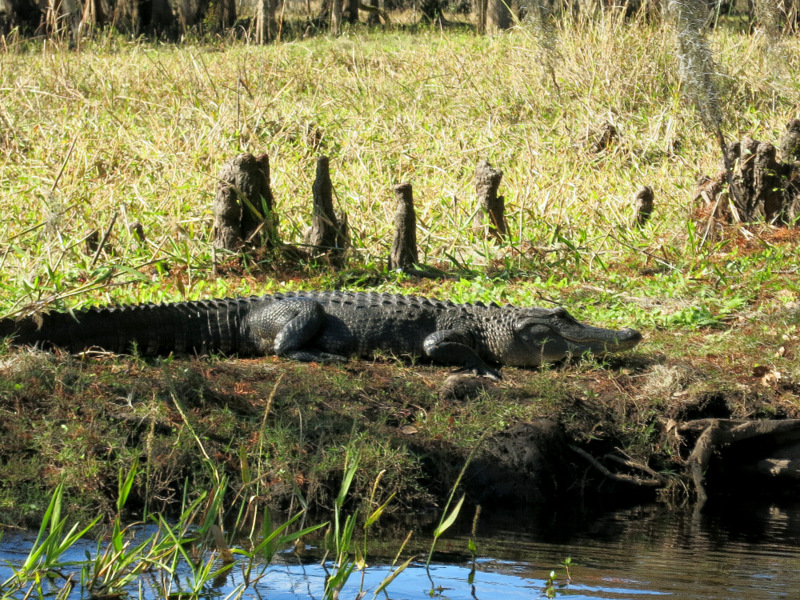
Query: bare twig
[(632, 479), (64, 164), (103, 241)]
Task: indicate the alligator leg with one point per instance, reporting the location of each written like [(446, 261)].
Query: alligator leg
[(454, 347), (292, 324)]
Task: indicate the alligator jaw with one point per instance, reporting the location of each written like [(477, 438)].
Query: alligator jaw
[(581, 338), (549, 336), (601, 341)]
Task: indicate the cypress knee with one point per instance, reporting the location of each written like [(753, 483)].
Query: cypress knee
[(644, 205), (327, 234), (767, 192), (487, 182), (403, 254), (243, 204)]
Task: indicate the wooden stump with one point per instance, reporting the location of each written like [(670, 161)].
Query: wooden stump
[(757, 181), (327, 234), (644, 206), (403, 254), (487, 182), (767, 187), (790, 142), (243, 204), (767, 200)]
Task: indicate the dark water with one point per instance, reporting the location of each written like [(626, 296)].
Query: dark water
[(730, 551)]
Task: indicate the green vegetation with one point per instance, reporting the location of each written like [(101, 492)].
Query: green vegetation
[(552, 586), (151, 558), (124, 132), (141, 132)]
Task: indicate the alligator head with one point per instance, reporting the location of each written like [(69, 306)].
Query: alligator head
[(546, 336)]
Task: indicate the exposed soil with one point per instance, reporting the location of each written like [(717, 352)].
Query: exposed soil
[(278, 429)]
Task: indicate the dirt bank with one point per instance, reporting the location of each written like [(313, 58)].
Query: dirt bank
[(278, 430)]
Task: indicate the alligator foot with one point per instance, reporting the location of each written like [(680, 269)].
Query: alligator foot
[(454, 347)]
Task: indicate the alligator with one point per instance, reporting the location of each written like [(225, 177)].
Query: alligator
[(328, 326)]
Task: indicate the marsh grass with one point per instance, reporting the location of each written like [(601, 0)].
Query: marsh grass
[(184, 557), (191, 556), (124, 132)]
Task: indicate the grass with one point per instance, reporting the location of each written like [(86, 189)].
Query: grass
[(141, 133), (186, 557), (125, 131)]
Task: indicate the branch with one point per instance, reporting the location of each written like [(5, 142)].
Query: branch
[(632, 479)]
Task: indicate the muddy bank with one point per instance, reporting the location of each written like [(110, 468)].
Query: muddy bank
[(278, 430)]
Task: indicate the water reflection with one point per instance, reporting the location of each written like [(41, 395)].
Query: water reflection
[(731, 550)]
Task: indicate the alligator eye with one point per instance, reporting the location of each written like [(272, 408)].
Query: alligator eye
[(560, 312)]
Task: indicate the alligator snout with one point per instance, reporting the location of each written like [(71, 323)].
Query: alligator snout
[(583, 338), (627, 339)]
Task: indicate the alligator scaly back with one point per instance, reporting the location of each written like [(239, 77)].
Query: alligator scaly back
[(180, 327)]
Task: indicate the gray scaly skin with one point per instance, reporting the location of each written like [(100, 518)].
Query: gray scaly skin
[(320, 326)]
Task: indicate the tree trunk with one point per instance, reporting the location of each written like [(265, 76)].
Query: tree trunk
[(432, 11), (93, 15), (480, 15), (164, 20), (24, 14), (63, 18), (374, 17), (336, 17), (350, 11), (498, 15), (265, 20), (127, 16), (224, 16)]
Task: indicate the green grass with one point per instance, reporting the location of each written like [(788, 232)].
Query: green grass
[(142, 131), (127, 131)]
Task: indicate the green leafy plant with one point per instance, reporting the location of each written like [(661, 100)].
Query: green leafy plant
[(52, 541), (553, 586)]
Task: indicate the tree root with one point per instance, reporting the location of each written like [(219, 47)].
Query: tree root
[(655, 480), (717, 433)]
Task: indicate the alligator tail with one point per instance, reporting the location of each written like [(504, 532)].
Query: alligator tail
[(148, 329)]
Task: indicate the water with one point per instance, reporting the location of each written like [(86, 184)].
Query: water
[(730, 552)]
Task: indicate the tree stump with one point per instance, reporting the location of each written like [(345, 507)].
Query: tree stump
[(243, 204), (767, 188), (487, 181), (327, 234), (602, 137), (644, 206), (790, 142), (403, 254)]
